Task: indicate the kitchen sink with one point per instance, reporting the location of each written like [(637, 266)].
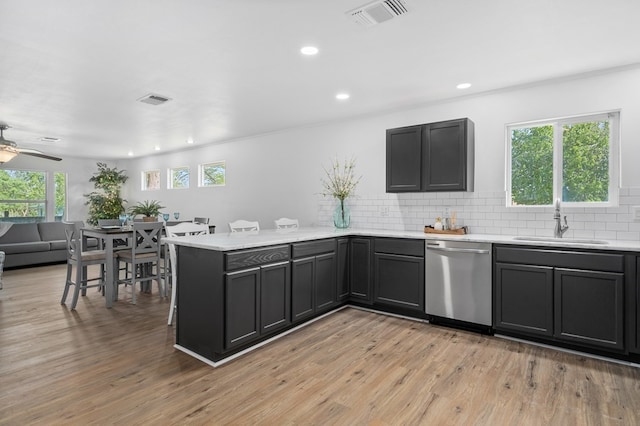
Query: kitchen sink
[(562, 240)]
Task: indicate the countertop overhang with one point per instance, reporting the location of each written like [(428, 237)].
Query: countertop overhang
[(268, 237)]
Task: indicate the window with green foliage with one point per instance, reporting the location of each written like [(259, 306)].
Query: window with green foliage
[(212, 174), (26, 196), (178, 178), (575, 159)]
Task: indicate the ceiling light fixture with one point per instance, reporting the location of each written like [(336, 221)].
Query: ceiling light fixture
[(130, 154), (190, 141), (157, 148), (309, 50), (463, 86), (342, 96)]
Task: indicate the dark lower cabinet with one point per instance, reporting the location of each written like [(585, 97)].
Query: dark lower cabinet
[(399, 280), (313, 279), (589, 307), (242, 307), (398, 271), (275, 296), (302, 276), (325, 281), (523, 297), (257, 302), (360, 269), (554, 294), (342, 270)]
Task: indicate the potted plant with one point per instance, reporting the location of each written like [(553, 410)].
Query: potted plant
[(105, 202), (149, 209)]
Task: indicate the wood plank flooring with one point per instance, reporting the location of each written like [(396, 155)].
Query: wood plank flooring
[(118, 366)]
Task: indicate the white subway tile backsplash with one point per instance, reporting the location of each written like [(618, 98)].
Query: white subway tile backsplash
[(485, 212)]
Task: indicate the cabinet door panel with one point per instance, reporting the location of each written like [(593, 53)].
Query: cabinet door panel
[(399, 281), (302, 293), (242, 307), (589, 307), (325, 283), (275, 294), (524, 298), (446, 156), (360, 269), (404, 159), (342, 269)]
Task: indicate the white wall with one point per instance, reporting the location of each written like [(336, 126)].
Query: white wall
[(278, 174)]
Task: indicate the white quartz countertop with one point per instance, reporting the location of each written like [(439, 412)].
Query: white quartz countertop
[(269, 237)]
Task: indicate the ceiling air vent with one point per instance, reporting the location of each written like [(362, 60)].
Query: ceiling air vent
[(377, 12), (154, 99)]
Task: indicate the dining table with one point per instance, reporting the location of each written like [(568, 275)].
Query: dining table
[(108, 234)]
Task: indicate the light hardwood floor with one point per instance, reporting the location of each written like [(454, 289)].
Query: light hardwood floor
[(109, 366)]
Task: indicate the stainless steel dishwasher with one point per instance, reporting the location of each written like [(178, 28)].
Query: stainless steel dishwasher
[(458, 283)]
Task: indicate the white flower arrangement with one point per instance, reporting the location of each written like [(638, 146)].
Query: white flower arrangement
[(340, 181)]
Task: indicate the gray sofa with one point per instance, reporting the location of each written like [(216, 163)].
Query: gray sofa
[(26, 244)]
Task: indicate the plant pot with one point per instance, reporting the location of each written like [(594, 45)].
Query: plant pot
[(149, 219)]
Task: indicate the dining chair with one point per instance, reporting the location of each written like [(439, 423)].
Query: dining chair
[(243, 226), (286, 223), (204, 220), (80, 259), (143, 256), (179, 230)]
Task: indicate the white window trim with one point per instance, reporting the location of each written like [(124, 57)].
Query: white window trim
[(143, 180), (614, 157), (201, 174), (170, 176)]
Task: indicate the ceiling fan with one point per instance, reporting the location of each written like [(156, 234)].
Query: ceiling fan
[(9, 149)]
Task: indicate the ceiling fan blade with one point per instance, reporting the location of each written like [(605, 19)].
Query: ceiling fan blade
[(35, 153)]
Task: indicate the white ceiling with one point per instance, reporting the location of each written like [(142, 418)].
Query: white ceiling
[(73, 69)]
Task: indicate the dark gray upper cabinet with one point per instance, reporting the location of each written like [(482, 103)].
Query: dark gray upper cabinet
[(431, 157)]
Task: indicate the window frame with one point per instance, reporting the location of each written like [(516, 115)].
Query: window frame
[(201, 173), (49, 201), (143, 178), (170, 172), (612, 116)]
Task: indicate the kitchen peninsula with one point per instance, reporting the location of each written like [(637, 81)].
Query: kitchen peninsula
[(238, 291)]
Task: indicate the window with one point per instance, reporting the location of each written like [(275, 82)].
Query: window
[(178, 178), (212, 174), (574, 159), (151, 180), (32, 196)]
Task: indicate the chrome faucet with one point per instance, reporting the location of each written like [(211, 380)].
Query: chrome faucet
[(560, 229)]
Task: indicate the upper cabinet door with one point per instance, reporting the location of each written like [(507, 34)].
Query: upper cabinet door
[(404, 159), (431, 157), (448, 156)]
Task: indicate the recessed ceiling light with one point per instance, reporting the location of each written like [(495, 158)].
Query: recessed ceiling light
[(342, 96), (157, 148), (463, 86), (130, 154), (190, 141), (309, 50)]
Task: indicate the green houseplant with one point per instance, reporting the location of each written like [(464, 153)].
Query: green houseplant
[(149, 209), (105, 202)]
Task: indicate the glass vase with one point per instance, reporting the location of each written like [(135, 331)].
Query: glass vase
[(342, 215)]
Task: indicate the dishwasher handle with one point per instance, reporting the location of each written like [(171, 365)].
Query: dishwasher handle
[(456, 250)]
